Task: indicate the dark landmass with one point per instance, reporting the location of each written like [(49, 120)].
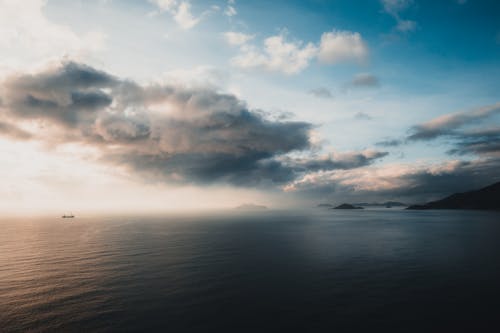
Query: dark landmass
[(487, 198), (347, 206), (387, 204), (251, 207), (325, 205)]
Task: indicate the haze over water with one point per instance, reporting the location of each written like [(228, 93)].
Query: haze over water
[(315, 270)]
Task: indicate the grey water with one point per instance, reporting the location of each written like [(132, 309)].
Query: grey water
[(316, 271)]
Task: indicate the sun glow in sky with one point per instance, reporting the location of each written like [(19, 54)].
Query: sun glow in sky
[(188, 104)]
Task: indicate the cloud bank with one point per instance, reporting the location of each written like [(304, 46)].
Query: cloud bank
[(420, 181), (448, 124), (196, 135), (465, 131), (417, 182), (163, 132)]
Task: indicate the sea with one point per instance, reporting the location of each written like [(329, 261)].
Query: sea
[(315, 270)]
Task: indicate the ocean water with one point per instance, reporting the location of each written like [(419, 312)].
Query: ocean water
[(311, 271)]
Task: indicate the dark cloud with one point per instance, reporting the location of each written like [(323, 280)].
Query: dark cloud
[(254, 168), (321, 92), (428, 184), (365, 80), (362, 116), (337, 162), (458, 129), (448, 124), (166, 132), (249, 169), (65, 94), (479, 142), (411, 185), (116, 128), (390, 143)]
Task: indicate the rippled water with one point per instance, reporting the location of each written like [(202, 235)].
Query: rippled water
[(272, 271)]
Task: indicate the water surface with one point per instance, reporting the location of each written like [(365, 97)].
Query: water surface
[(271, 271)]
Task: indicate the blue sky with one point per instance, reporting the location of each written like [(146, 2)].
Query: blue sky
[(358, 73)]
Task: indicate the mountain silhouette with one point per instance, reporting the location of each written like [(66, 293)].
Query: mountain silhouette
[(487, 198)]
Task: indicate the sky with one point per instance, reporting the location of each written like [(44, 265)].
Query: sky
[(160, 105)]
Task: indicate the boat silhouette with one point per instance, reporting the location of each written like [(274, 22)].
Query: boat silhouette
[(68, 216)]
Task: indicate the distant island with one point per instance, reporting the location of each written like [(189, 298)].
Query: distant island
[(387, 204), (251, 207), (347, 206), (487, 198)]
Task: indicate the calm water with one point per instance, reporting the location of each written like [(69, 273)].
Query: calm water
[(308, 271)]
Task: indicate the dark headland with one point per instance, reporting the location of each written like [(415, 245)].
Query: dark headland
[(487, 198)]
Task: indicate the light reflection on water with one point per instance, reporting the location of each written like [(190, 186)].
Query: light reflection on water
[(315, 270)]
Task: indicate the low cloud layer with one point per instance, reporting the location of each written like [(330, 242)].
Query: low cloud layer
[(164, 132), (466, 134), (407, 182), (448, 124), (478, 142), (465, 131), (343, 161)]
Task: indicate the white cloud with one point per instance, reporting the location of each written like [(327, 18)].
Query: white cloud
[(230, 9), (237, 38), (291, 57), (197, 77), (180, 11), (364, 80), (342, 46), (165, 5), (184, 18), (28, 38), (278, 55)]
